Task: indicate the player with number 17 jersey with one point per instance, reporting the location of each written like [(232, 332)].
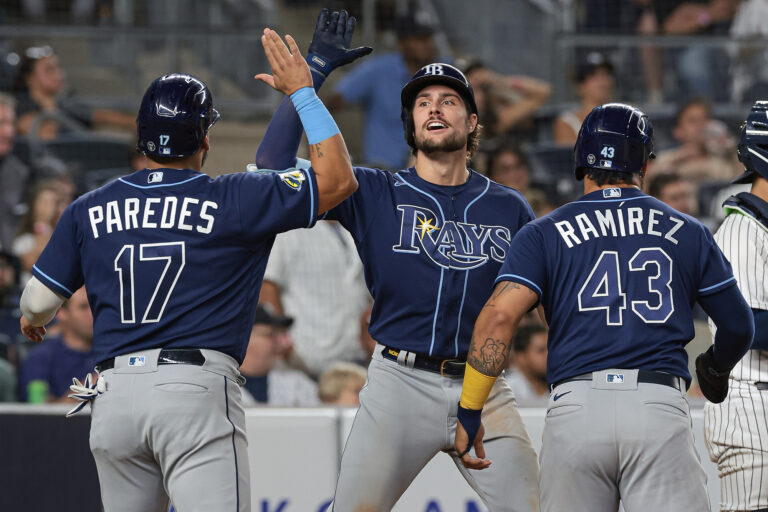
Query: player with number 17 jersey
[(166, 233), (623, 302)]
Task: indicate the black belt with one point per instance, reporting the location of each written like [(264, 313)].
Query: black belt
[(445, 367), (649, 377), (761, 386), (191, 356)]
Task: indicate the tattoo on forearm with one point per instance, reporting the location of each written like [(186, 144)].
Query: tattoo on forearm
[(500, 290), (315, 148), (489, 357)]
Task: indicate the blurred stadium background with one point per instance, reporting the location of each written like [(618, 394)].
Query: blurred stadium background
[(76, 70)]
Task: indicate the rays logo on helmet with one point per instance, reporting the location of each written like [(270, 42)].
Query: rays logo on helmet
[(164, 111), (434, 69), (590, 159), (151, 146), (293, 179)]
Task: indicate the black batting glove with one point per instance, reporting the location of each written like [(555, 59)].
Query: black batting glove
[(330, 47), (713, 380)]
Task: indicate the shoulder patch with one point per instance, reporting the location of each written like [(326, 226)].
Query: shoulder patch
[(293, 179)]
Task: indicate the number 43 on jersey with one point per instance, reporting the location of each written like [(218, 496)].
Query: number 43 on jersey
[(602, 290)]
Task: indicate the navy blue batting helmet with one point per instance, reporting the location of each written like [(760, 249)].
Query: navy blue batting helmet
[(753, 144), (175, 115), (614, 137), (436, 73)]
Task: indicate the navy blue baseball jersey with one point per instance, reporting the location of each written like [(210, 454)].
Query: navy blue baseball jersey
[(618, 273), (173, 258), (430, 253)]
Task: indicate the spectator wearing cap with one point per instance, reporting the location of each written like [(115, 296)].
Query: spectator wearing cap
[(14, 175), (341, 383), (675, 191), (595, 83), (39, 89), (54, 363), (268, 381), (375, 85), (316, 276), (506, 103), (528, 376), (705, 151)]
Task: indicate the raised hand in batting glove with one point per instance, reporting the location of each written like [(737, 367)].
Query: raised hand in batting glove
[(712, 379), (330, 47)]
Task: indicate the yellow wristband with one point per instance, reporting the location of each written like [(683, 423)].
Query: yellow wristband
[(476, 388)]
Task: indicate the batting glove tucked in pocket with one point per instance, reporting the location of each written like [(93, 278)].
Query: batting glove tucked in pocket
[(85, 391)]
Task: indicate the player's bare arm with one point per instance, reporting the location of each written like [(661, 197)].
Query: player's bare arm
[(488, 352), (329, 156)]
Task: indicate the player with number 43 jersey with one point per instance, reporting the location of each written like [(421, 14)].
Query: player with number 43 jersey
[(617, 273)]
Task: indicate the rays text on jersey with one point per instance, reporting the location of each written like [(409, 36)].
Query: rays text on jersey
[(457, 245), (171, 212)]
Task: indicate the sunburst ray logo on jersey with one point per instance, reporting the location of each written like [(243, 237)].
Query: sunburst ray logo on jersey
[(294, 179), (454, 245)]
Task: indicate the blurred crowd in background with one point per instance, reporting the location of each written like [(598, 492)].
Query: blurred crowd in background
[(695, 66)]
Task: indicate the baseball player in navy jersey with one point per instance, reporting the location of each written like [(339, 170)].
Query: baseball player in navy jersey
[(432, 239), (173, 261), (736, 430), (617, 273)]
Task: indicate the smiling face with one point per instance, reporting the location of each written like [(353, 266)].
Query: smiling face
[(441, 121)]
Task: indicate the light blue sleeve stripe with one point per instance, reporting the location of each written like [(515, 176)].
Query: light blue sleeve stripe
[(52, 280), (716, 285), (521, 278)]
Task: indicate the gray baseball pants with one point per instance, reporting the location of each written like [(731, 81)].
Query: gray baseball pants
[(406, 417), (608, 440), (171, 431)]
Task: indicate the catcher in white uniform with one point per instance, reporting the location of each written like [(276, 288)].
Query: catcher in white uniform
[(736, 430)]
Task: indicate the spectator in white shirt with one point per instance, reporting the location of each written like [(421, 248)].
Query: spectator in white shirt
[(316, 276)]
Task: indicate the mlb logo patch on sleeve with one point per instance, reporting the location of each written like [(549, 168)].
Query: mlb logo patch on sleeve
[(292, 179)]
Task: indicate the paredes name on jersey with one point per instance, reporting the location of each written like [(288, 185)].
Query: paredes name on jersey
[(171, 212)]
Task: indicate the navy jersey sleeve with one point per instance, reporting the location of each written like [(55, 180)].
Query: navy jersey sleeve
[(358, 211), (524, 263), (273, 202), (715, 271), (59, 266)]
